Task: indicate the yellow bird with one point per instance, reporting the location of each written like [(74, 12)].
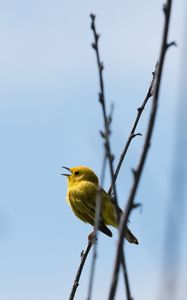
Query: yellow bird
[(83, 187)]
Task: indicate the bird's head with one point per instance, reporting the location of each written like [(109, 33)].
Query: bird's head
[(80, 173)]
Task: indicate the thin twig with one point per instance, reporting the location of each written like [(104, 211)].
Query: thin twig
[(126, 278), (84, 255), (106, 134), (139, 169), (102, 101), (132, 134)]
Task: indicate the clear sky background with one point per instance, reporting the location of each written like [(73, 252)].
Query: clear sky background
[(50, 116)]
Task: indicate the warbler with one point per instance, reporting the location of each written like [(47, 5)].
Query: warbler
[(83, 188)]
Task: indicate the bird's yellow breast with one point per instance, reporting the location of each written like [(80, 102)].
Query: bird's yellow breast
[(82, 198), (84, 191)]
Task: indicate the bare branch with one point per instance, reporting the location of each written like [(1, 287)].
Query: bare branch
[(132, 134), (106, 134), (139, 169), (84, 255), (126, 278)]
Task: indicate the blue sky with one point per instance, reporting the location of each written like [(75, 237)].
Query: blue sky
[(50, 116)]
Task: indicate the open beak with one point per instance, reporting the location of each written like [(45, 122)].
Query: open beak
[(68, 170)]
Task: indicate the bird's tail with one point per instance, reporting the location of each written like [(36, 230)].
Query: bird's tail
[(130, 237)]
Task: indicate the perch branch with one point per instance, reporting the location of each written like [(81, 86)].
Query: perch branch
[(84, 255), (96, 226)]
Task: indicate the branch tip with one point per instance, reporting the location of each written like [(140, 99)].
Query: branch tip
[(101, 98), (92, 16), (109, 120), (93, 45), (171, 44), (101, 66), (76, 283), (97, 36), (136, 205), (165, 9), (139, 109), (135, 134), (134, 172), (102, 134)]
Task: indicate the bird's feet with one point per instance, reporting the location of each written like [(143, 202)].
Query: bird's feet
[(92, 237)]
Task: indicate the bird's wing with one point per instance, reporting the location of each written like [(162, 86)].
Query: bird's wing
[(112, 200), (110, 216), (83, 203)]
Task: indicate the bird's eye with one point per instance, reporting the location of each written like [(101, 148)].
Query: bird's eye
[(76, 172)]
